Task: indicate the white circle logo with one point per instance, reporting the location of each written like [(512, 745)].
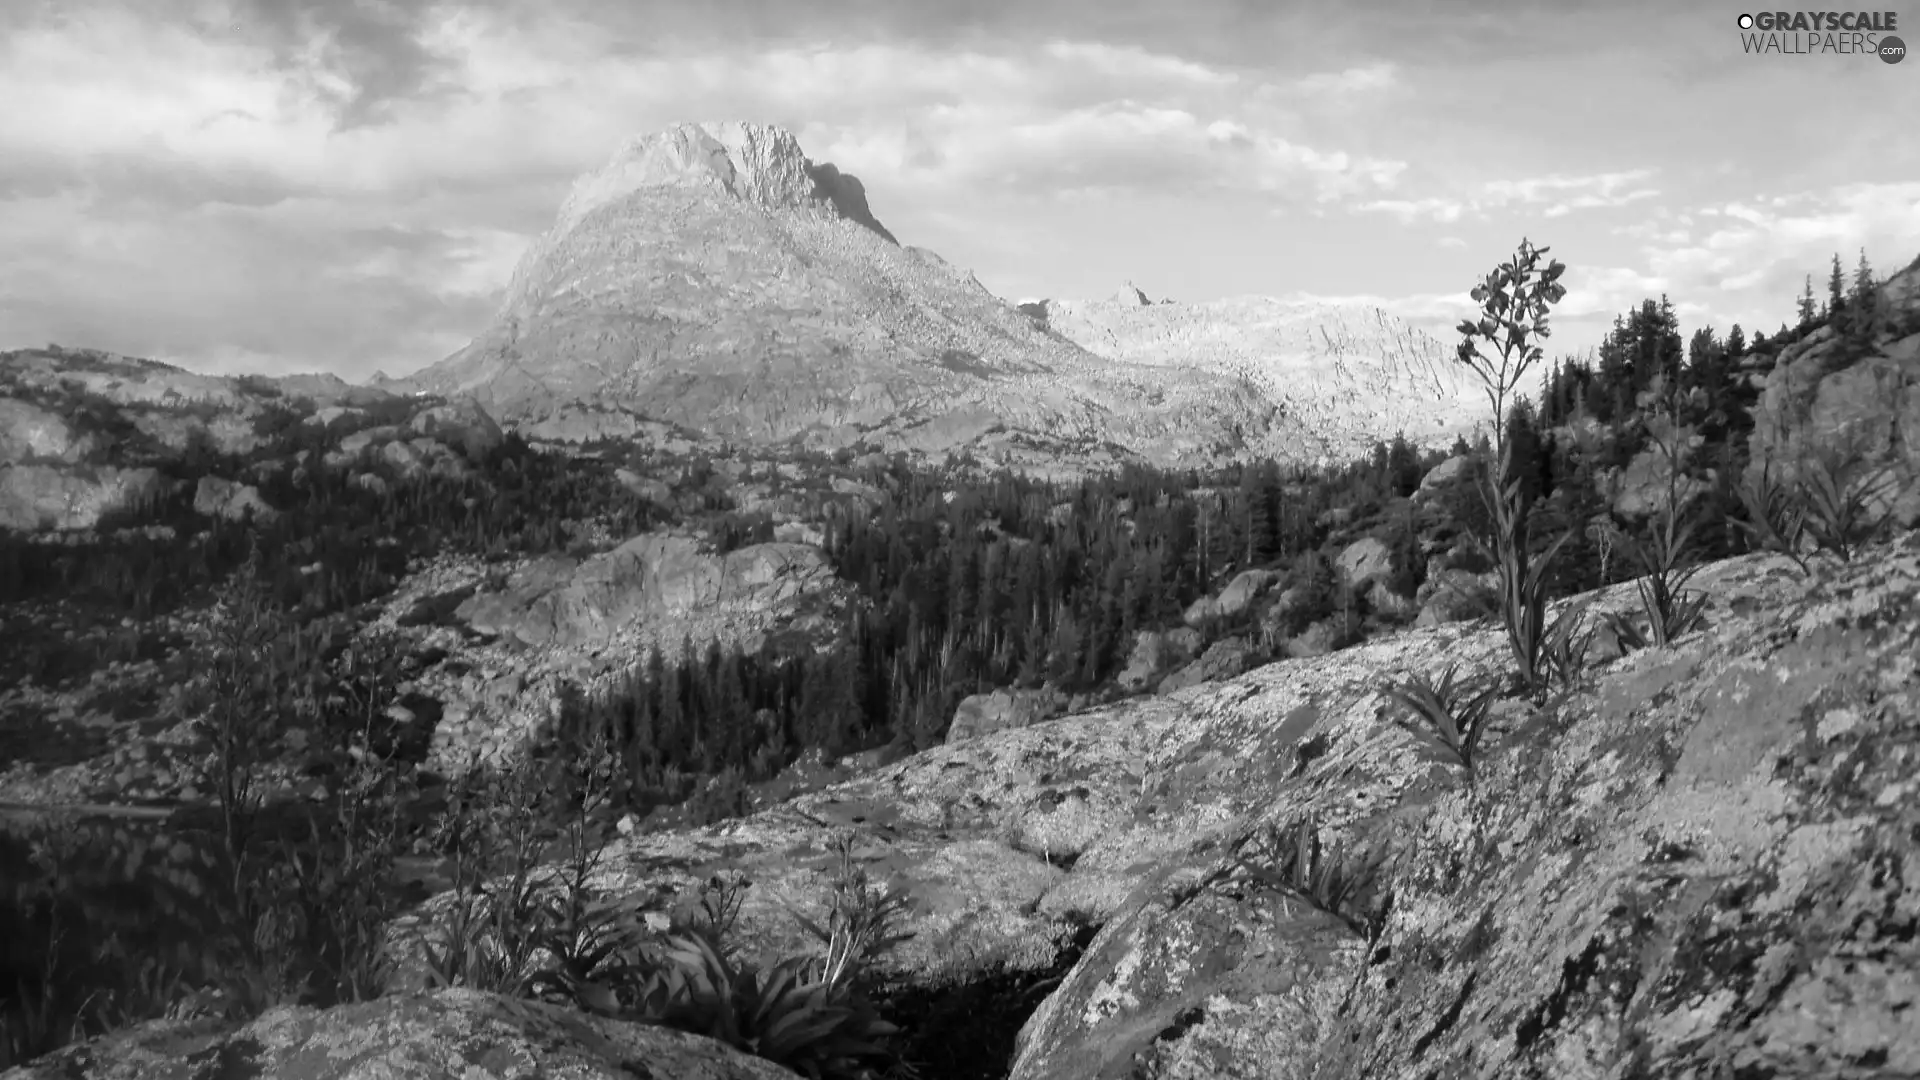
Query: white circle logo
[(1746, 22)]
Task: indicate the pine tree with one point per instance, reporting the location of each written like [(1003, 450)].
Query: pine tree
[(1403, 466), (1736, 342), (1836, 297), (1806, 307), (1864, 302)]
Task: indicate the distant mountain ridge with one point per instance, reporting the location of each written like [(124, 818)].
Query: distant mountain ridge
[(711, 275), (1350, 372)]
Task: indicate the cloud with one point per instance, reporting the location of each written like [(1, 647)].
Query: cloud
[(1351, 81), (1410, 210), (1560, 195)]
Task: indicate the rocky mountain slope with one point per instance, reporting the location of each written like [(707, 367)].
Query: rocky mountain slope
[(1346, 374), (711, 275)]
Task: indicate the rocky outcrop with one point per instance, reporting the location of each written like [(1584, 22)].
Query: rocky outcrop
[(1744, 792), (1689, 798), (1222, 660), (1364, 562), (28, 432), (409, 1037), (1233, 601), (983, 714), (224, 498), (565, 601), (59, 497), (1154, 653), (1455, 470), (1451, 595), (460, 423), (1866, 409)]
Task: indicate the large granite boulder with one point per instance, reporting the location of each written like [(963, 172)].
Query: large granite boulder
[(1234, 598), (984, 714)]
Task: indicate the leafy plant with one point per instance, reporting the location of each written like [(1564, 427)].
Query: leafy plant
[(1665, 557), (861, 923), (487, 937), (1564, 649), (1453, 712), (780, 1013), (1775, 521), (1664, 572), (1837, 490), (1513, 308), (1293, 860)]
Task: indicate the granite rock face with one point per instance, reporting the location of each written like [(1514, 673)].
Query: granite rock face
[(564, 601), (1701, 863), (404, 1037), (1865, 408)]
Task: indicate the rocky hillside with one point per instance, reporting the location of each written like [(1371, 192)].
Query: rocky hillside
[(1344, 375), (711, 275)]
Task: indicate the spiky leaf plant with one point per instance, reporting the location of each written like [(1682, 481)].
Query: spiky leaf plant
[(1837, 490), (785, 1013), (1292, 859), (1775, 520), (1564, 649), (1452, 711)]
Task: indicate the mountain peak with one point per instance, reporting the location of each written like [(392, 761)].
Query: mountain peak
[(759, 164)]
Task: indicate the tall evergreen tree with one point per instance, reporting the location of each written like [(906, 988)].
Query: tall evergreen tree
[(1864, 302), (1836, 296), (1807, 310)]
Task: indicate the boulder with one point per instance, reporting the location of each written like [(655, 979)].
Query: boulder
[(1154, 652), (1316, 640), (417, 457), (461, 423), (654, 491), (29, 432), (1390, 603), (224, 498), (984, 714), (1452, 595), (1223, 659), (1233, 600), (1452, 471), (1364, 561), (422, 1036)]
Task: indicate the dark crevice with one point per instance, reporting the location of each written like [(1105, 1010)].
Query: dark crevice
[(1447, 1019)]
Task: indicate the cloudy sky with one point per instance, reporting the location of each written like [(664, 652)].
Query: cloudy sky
[(281, 185)]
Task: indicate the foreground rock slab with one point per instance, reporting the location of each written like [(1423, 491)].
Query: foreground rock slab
[(1704, 862), (451, 1033)]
